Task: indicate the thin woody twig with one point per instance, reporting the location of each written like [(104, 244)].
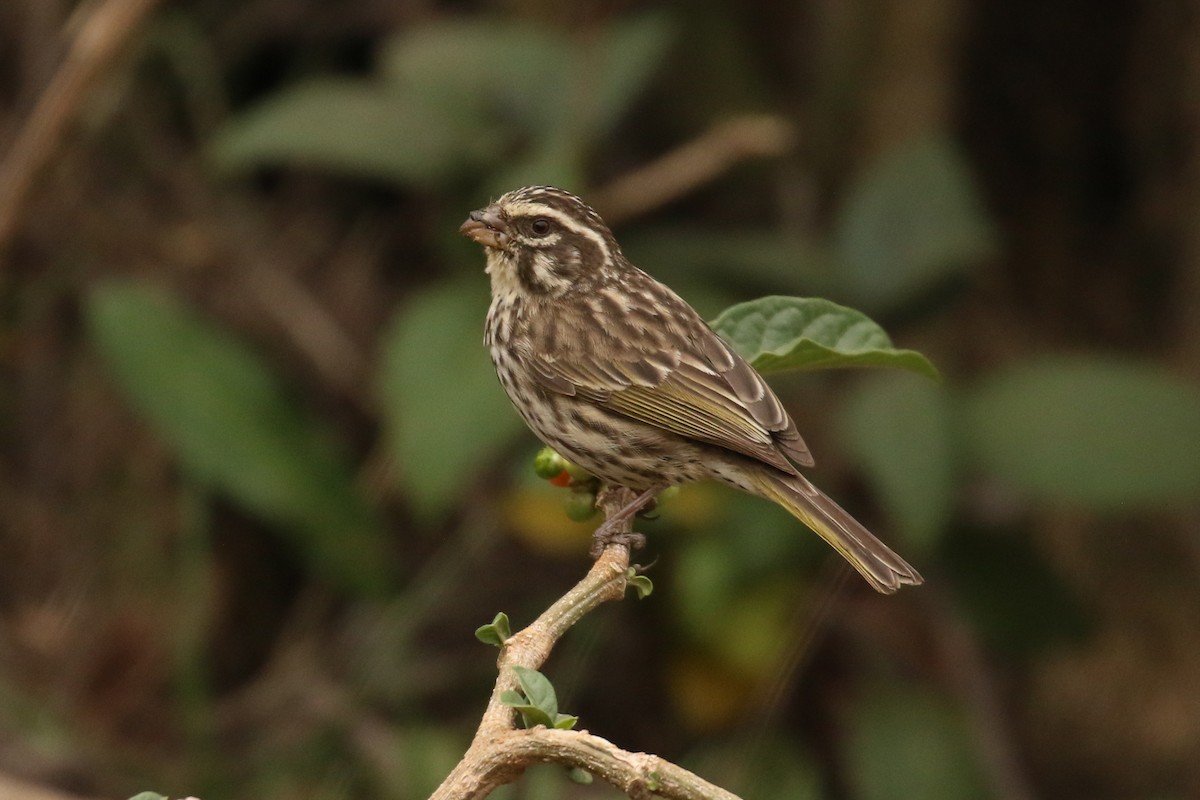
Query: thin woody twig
[(694, 164), (103, 35), (500, 751)]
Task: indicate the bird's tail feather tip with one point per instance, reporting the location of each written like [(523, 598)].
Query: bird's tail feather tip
[(875, 561)]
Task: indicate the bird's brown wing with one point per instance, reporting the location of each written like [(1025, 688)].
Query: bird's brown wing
[(685, 379)]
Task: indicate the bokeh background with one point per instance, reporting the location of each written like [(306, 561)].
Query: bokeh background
[(258, 483)]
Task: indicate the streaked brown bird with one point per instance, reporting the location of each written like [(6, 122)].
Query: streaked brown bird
[(621, 376)]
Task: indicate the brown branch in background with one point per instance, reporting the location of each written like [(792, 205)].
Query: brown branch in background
[(975, 685), (501, 752), (694, 164), (105, 28), (312, 329), (14, 789)]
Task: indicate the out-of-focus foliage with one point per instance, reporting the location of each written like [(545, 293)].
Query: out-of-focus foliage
[(355, 128), (912, 220), (1100, 432), (906, 743), (900, 432), (233, 428), (458, 96), (435, 370)]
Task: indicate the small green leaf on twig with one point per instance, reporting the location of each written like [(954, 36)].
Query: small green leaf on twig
[(536, 702), (790, 333), (538, 690), (532, 716), (497, 633), (579, 775), (641, 584)]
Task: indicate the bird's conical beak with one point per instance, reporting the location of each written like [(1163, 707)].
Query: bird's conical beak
[(487, 227)]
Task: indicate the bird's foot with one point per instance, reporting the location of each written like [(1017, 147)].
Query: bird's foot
[(609, 532), (631, 539)]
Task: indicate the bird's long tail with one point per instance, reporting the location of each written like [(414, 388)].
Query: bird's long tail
[(882, 568)]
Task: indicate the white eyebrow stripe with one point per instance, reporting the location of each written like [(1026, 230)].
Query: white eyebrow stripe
[(531, 209)]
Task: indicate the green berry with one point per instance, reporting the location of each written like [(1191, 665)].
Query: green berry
[(580, 506), (548, 464)]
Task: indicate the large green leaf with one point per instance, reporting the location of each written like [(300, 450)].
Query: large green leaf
[(234, 427), (900, 430), (912, 219), (789, 333), (1103, 432), (446, 412), (355, 127)]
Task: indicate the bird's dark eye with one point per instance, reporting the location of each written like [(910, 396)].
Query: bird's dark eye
[(540, 226)]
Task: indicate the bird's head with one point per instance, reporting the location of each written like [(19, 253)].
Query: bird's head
[(542, 240)]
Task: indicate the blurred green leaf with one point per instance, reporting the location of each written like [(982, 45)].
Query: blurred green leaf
[(788, 333), (580, 776), (545, 782), (612, 73), (508, 72), (419, 759), (552, 161), (908, 743), (533, 78), (751, 543), (1102, 432), (900, 431), (549, 93), (233, 426), (734, 590), (755, 627), (912, 219), (356, 127), (456, 94), (445, 411)]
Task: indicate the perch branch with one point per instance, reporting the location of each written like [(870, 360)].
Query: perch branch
[(500, 751)]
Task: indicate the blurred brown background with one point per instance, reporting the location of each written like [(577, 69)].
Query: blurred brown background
[(258, 484)]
